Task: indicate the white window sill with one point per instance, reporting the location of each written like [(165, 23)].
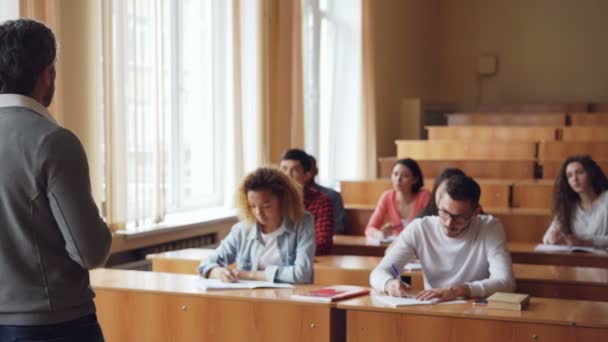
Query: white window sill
[(176, 226)]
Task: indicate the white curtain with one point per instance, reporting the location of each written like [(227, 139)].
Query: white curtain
[(340, 122), (181, 106)]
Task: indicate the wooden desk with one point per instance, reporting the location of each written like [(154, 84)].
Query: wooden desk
[(546, 319), (500, 169), (507, 119), (539, 280), (494, 133), (465, 150), (523, 253), (161, 307), (567, 282)]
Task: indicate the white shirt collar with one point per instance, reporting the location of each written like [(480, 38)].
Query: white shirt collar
[(16, 100)]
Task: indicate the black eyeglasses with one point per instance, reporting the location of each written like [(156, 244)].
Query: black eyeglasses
[(458, 219)]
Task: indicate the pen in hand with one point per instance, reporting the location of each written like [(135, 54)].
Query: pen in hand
[(403, 286), (226, 274)]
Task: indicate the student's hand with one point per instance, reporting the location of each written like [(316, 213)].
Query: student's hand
[(223, 274), (387, 229), (556, 237), (572, 240), (244, 275), (445, 294), (396, 288)]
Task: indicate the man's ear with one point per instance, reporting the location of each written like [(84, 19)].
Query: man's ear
[(48, 75)]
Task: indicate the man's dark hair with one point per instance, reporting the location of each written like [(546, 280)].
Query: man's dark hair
[(27, 47), (463, 188), (299, 155)]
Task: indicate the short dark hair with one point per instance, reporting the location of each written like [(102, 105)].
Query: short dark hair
[(299, 155), (564, 198), (463, 188), (431, 207), (412, 166), (27, 47)]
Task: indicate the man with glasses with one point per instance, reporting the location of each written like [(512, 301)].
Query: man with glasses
[(463, 253)]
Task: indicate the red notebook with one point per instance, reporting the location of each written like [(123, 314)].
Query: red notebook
[(332, 293)]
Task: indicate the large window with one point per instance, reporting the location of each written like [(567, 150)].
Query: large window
[(179, 77), (332, 86)]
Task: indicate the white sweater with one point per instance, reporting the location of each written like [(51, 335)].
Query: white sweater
[(588, 225), (478, 258)]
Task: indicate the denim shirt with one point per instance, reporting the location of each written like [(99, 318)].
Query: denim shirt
[(244, 244)]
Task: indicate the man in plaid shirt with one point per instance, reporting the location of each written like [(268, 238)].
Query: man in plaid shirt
[(298, 165)]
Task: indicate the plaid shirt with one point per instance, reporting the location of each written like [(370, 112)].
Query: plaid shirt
[(320, 206)]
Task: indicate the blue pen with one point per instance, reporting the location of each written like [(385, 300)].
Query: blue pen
[(396, 273)]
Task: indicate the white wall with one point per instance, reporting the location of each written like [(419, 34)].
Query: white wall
[(9, 9)]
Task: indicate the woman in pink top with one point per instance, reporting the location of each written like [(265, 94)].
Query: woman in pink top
[(397, 207)]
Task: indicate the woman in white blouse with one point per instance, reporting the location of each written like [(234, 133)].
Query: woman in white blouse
[(580, 209)]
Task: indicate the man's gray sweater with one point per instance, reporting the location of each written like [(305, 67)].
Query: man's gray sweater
[(50, 229)]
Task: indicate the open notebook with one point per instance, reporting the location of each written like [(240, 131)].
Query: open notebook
[(215, 284), (407, 301), (377, 242), (569, 249)]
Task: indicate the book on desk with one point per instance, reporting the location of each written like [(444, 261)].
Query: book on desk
[(331, 293), (508, 301)]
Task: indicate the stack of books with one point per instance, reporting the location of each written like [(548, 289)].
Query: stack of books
[(508, 301)]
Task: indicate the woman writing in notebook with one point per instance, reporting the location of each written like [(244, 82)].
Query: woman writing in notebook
[(398, 206), (580, 206), (274, 241)]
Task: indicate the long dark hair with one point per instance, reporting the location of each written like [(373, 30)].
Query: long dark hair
[(564, 198), (415, 169), (431, 208)]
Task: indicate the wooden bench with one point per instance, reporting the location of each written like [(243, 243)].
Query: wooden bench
[(493, 133), (536, 108), (560, 150), (550, 168), (507, 119), (494, 192), (464, 150), (584, 133), (521, 224), (589, 119), (498, 169), (534, 194)]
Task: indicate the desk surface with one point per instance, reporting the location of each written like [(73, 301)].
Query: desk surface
[(158, 282), (540, 310)]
